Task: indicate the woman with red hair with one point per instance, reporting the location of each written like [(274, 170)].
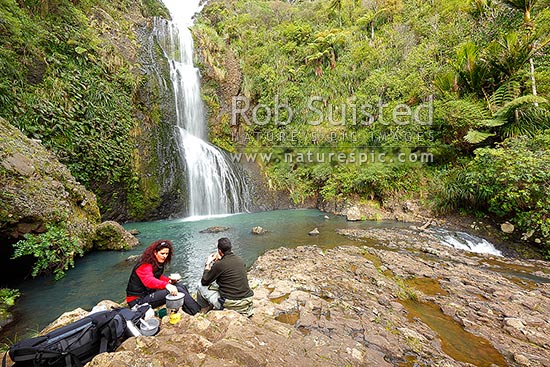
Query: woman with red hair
[(147, 284)]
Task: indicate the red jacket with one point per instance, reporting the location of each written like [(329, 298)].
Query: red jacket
[(145, 274)]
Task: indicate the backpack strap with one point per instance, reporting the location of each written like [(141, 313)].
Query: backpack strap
[(70, 359), (112, 333), (107, 334)]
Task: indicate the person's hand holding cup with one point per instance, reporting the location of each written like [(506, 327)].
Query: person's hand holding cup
[(212, 258), (174, 278)]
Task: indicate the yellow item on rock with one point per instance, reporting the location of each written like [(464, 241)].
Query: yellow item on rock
[(175, 318)]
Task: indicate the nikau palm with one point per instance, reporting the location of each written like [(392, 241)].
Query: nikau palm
[(526, 6)]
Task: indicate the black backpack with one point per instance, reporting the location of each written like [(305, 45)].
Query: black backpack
[(75, 344)]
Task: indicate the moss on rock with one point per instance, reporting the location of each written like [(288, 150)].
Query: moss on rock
[(111, 235), (38, 190)]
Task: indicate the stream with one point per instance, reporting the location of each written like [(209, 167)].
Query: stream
[(103, 275)]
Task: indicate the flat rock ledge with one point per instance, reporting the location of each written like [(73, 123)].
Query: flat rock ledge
[(350, 306)]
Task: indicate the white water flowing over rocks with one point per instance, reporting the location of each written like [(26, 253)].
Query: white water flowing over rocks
[(465, 241), (214, 186)]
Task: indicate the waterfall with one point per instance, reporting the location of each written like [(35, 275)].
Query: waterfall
[(214, 184)]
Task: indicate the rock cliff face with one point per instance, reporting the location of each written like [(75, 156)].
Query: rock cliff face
[(158, 176), (38, 190), (105, 108), (399, 298)]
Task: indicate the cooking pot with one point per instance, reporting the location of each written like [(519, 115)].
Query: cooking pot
[(174, 302), (149, 327)]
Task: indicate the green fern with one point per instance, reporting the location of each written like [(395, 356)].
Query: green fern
[(523, 115), (508, 110), (54, 250), (466, 110), (471, 67), (507, 92), (474, 136)]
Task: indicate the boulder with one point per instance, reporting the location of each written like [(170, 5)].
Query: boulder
[(410, 207), (507, 227), (314, 232), (214, 229), (75, 315), (110, 235), (354, 214), (258, 230), (368, 210), (6, 317)]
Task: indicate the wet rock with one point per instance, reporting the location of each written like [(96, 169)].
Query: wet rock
[(541, 274), (214, 229), (430, 250), (258, 230), (314, 232), (507, 227)]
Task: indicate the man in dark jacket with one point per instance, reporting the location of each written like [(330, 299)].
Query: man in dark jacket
[(224, 283)]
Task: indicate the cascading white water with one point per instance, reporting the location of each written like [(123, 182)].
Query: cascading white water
[(468, 242), (213, 184)]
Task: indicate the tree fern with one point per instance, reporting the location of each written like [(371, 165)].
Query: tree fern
[(465, 109), (505, 93), (523, 5), (520, 116), (524, 118), (508, 110), (471, 68)]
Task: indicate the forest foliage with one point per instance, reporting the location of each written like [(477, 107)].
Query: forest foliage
[(67, 83), (466, 83), (70, 80)]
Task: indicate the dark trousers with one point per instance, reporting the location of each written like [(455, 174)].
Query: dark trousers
[(158, 298)]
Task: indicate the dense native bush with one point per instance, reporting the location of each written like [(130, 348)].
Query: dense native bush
[(511, 181), (70, 80), (471, 59)]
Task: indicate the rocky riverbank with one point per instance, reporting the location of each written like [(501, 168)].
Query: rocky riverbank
[(399, 298)]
